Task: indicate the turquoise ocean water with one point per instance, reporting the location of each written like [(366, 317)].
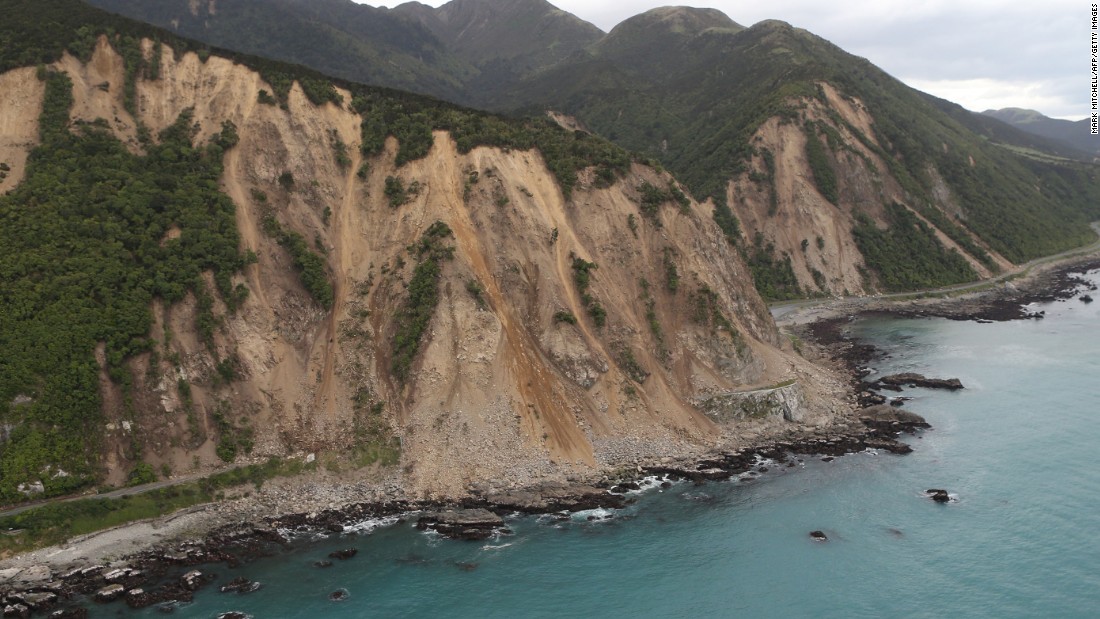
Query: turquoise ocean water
[(1017, 448)]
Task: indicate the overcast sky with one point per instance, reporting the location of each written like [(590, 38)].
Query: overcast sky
[(979, 53)]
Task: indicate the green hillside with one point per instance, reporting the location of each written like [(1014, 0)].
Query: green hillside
[(688, 87), (696, 105)]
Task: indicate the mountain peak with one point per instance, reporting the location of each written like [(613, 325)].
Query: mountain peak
[(1015, 115), (484, 30), (683, 20)]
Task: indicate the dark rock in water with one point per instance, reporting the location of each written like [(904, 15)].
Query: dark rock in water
[(344, 554), (70, 613), (938, 495), (466, 566), (828, 459), (910, 379), (139, 598), (1086, 298), (891, 419), (192, 580), (869, 398), (334, 528), (36, 601), (110, 593), (666, 484), (322, 563), (818, 536), (468, 524), (239, 584), (234, 614), (888, 444), (553, 497), (339, 595), (898, 401)]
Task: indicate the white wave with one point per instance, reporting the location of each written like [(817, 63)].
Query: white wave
[(370, 524), (598, 514), (647, 483), (498, 547), (307, 535)]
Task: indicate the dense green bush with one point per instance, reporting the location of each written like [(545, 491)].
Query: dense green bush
[(86, 251), (582, 277), (907, 256), (143, 473), (565, 316), (416, 312), (311, 268), (773, 275), (820, 165)]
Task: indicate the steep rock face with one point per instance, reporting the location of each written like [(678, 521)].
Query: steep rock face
[(778, 198), (514, 374), (18, 122)]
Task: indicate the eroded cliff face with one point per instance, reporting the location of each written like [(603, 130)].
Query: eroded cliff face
[(19, 108), (783, 203), (501, 385)]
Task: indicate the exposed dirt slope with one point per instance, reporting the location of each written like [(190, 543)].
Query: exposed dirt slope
[(799, 212), (20, 104), (500, 388)]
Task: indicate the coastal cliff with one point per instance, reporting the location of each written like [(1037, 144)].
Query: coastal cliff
[(473, 318)]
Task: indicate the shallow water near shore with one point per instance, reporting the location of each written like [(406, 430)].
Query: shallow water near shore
[(1016, 449)]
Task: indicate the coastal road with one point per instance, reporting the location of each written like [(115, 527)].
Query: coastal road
[(786, 309), (113, 494)]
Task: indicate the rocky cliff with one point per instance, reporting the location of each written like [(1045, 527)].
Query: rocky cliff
[(562, 333)]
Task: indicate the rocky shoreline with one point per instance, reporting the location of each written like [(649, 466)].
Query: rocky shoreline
[(171, 573), (154, 577)]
